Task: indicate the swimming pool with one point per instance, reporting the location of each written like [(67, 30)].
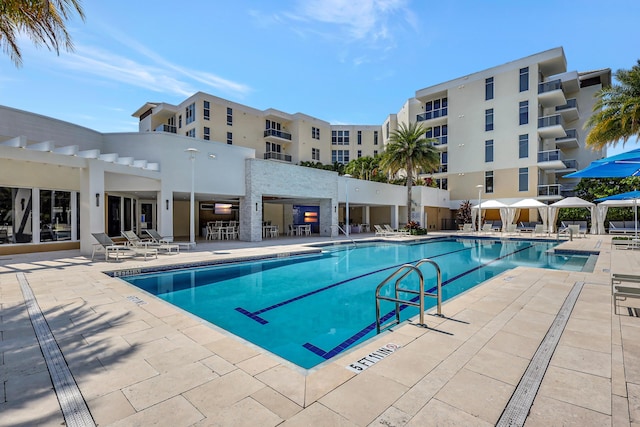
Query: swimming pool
[(308, 309)]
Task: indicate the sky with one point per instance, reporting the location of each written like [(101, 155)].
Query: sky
[(343, 61)]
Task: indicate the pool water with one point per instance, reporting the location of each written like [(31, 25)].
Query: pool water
[(308, 309)]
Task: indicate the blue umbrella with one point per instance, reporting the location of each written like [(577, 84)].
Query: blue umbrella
[(629, 195), (618, 166)]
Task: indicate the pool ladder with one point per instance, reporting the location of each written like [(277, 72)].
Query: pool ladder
[(403, 271)]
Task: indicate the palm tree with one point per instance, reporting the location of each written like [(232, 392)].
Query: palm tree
[(43, 21), (617, 111), (409, 150)]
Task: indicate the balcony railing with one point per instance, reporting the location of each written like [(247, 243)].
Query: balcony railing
[(550, 156), (549, 190), (166, 128), (548, 121), (571, 103), (440, 140), (571, 134), (545, 87), (277, 134), (571, 164), (277, 156), (432, 114)]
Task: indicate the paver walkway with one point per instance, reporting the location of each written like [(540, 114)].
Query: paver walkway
[(140, 361)]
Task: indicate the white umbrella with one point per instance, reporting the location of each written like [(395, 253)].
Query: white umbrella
[(573, 202)]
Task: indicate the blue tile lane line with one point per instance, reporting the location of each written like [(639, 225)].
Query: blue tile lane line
[(255, 314), (347, 343)]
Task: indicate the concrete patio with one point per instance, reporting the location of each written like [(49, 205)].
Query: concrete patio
[(140, 361)]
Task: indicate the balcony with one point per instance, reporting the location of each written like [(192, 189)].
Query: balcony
[(440, 143), (272, 155), (570, 165), (551, 159), (277, 134), (434, 114), (165, 128), (568, 141), (551, 94), (569, 111), (551, 127), (550, 191)]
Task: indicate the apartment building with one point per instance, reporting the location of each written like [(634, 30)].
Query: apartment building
[(516, 129), (275, 135)]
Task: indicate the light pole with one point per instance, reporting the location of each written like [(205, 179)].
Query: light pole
[(346, 198), (192, 208), (479, 187)]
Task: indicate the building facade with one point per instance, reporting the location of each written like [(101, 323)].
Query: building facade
[(515, 129)]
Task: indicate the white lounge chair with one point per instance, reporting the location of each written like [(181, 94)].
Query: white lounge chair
[(390, 231), (110, 248), (137, 242), (380, 231), (467, 228)]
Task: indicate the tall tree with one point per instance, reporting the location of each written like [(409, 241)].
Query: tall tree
[(617, 111), (43, 21), (409, 150)]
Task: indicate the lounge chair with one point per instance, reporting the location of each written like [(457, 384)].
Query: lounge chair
[(539, 230), (621, 293), (512, 229), (156, 237), (380, 231), (111, 248), (467, 228), (487, 228), (392, 232), (137, 242)]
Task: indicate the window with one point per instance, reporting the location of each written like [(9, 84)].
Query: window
[(229, 138), (315, 154), (340, 156), (229, 116), (207, 133), (524, 112), (55, 215), (191, 133), (205, 110), (488, 119), (359, 138), (488, 88), (359, 153), (272, 147), (190, 113), (442, 183), (488, 150), (439, 133), (340, 137), (315, 133), (16, 214), (523, 146), (488, 182), (180, 121), (524, 79), (444, 160), (375, 137), (434, 109), (523, 179), (375, 153), (387, 130)]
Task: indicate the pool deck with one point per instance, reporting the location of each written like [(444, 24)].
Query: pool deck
[(140, 361)]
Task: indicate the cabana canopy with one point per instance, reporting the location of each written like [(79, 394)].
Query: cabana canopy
[(629, 198), (573, 202), (489, 204), (513, 210)]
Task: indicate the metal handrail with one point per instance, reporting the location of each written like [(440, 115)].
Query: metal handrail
[(407, 269), (345, 233)]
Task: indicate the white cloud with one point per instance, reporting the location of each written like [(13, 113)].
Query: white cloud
[(369, 20), (159, 74)]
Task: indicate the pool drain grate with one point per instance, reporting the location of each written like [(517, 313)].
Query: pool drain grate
[(74, 408), (521, 401)]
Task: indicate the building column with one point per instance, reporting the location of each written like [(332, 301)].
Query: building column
[(251, 217), (394, 216), (328, 217), (92, 204), (164, 216)]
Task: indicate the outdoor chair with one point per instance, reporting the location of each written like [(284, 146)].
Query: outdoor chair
[(156, 237), (467, 228), (110, 248), (137, 242), (539, 230), (620, 292), (380, 231), (487, 228), (392, 232)]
